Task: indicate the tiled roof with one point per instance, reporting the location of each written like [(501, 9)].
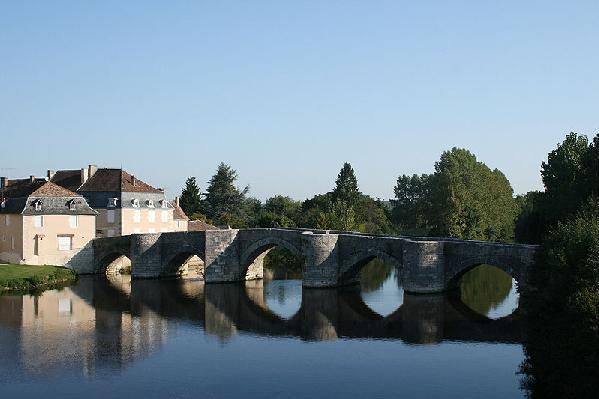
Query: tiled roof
[(199, 225), (69, 179), (178, 213), (116, 180), (21, 187), (20, 197)]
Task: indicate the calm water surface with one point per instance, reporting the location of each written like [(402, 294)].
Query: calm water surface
[(155, 339)]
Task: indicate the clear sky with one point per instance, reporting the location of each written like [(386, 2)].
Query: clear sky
[(286, 91)]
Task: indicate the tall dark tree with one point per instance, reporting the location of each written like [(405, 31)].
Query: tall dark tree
[(346, 186), (190, 197), (564, 177), (224, 202)]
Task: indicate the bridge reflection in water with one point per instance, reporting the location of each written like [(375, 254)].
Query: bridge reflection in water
[(112, 323)]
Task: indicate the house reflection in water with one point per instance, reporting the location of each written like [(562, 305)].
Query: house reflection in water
[(77, 328)]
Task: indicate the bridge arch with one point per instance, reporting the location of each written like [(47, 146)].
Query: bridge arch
[(351, 267), (513, 266), (262, 246), (177, 263)]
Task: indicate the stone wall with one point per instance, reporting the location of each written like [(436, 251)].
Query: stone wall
[(330, 260)]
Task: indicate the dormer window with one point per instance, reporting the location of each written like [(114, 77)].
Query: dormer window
[(112, 202), (72, 205), (135, 203), (164, 204), (150, 203), (37, 204)]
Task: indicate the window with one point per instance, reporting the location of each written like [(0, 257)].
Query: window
[(74, 221), (152, 231), (135, 203), (7, 220), (12, 242), (110, 216), (164, 216), (150, 204), (38, 205), (164, 204), (110, 233), (112, 202), (72, 205), (151, 216), (136, 216), (38, 221), (178, 224), (65, 243)]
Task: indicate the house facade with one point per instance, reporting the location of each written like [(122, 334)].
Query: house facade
[(44, 223), (125, 204)]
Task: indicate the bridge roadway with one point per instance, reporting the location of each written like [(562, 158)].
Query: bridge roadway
[(331, 258)]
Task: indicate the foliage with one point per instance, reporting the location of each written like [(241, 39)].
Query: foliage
[(224, 203), (190, 197), (570, 176), (462, 199), (346, 187), (470, 201), (283, 264), (27, 278), (412, 203)]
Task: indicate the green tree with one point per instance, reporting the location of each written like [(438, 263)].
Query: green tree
[(565, 179), (469, 200), (411, 206), (190, 200), (224, 202), (346, 186)]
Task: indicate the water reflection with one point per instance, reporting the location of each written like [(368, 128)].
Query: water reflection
[(489, 291), (101, 327)]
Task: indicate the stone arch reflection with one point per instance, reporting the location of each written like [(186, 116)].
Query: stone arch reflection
[(488, 291)]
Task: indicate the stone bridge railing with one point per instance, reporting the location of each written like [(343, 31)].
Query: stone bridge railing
[(331, 259)]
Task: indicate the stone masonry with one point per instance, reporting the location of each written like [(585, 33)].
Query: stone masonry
[(331, 259)]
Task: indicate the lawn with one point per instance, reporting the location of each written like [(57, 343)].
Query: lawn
[(27, 278)]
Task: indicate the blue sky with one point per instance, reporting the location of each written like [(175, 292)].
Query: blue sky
[(286, 91)]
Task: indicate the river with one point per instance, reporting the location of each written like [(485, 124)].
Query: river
[(104, 338)]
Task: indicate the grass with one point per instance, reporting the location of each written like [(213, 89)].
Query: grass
[(34, 278)]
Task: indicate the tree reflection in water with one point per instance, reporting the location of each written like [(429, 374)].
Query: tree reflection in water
[(489, 291)]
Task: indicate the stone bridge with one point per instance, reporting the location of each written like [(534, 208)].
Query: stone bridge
[(331, 259)]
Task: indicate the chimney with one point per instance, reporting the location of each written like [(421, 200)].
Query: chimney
[(177, 200), (3, 182), (84, 175), (91, 170), (133, 180), (32, 178), (51, 174)]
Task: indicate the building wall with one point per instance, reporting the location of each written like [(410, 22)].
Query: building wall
[(46, 238), (180, 225), (9, 232), (106, 228), (144, 226)]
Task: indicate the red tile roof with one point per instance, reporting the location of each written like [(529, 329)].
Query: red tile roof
[(199, 225), (116, 180), (178, 214)]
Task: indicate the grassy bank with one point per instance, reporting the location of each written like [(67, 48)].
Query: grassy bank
[(31, 278)]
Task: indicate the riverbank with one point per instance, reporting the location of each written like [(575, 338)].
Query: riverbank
[(31, 278)]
